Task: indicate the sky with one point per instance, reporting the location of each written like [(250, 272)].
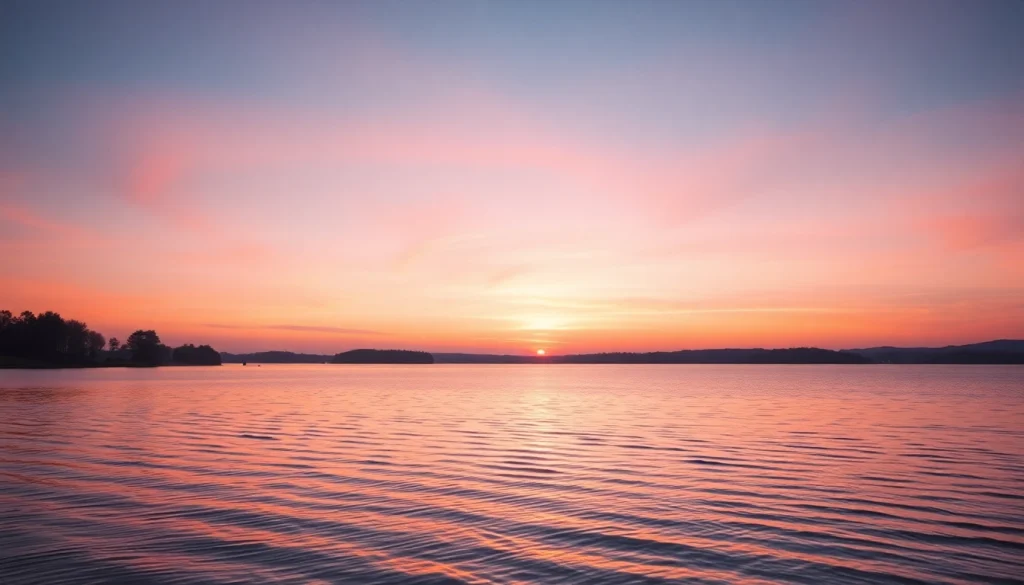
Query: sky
[(508, 176)]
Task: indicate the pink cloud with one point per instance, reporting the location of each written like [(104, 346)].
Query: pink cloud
[(848, 204), (967, 231), (26, 217), (985, 209), (299, 328)]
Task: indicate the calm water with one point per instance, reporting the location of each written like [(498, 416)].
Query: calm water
[(513, 474)]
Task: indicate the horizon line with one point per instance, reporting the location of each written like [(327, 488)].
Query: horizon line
[(552, 355)]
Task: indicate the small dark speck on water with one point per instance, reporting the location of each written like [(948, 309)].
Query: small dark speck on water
[(260, 437)]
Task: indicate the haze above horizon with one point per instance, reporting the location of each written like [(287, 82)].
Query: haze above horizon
[(503, 177)]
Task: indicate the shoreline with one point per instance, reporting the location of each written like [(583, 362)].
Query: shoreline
[(147, 367)]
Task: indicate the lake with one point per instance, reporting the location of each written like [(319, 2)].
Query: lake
[(513, 474)]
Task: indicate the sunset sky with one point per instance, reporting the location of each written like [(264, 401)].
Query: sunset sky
[(508, 176)]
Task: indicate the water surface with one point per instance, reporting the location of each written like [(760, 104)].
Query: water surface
[(513, 474)]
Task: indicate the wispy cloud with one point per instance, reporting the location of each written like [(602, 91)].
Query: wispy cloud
[(36, 221), (684, 187), (300, 328)]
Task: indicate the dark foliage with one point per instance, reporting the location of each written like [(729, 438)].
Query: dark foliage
[(977, 357), (383, 356), (146, 348), (95, 342), (190, 355), (1000, 351), (48, 338)]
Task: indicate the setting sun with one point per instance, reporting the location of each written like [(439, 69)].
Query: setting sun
[(541, 352)]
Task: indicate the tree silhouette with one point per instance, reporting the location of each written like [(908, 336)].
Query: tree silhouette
[(48, 338), (382, 356), (95, 342), (75, 340), (146, 347), (204, 355)]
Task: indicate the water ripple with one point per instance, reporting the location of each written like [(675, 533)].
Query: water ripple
[(513, 474)]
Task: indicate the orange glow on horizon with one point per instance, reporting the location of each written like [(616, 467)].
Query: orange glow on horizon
[(468, 215)]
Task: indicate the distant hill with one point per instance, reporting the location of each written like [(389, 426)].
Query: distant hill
[(797, 355), (274, 357), (190, 355), (1000, 351), (800, 355), (382, 356)]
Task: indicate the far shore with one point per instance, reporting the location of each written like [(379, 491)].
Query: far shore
[(48, 341), (1004, 351)]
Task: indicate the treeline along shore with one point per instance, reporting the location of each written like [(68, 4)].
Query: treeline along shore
[(1004, 351), (47, 340)]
